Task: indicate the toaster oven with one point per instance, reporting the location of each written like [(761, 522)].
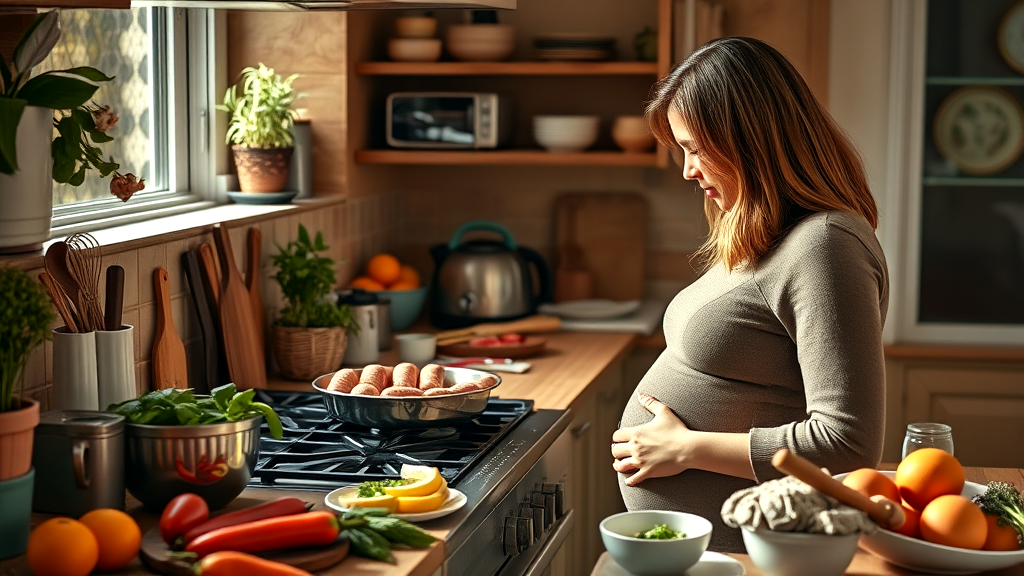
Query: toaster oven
[(448, 120)]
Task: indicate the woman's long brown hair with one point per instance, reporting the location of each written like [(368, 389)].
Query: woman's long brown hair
[(756, 122)]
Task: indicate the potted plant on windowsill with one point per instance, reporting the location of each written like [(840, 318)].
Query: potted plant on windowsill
[(32, 107), (25, 320), (259, 128), (310, 336)]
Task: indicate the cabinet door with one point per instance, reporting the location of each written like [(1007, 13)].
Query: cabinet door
[(580, 541), (985, 407)]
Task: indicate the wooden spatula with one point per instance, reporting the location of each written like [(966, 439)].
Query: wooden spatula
[(169, 367), (244, 352), (536, 323), (252, 281), (884, 512)]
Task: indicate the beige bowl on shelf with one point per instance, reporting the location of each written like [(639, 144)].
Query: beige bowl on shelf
[(565, 134), (416, 26), (630, 133), (481, 42), (414, 49)]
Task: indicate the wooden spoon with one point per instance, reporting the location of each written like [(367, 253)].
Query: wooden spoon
[(886, 513), (56, 263)]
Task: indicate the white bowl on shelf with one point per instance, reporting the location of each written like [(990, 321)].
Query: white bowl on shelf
[(481, 42), (563, 134), (414, 49)]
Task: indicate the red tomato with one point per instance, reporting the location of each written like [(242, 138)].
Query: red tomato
[(485, 341), (512, 338), (183, 513)]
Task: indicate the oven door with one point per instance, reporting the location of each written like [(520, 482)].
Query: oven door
[(536, 565)]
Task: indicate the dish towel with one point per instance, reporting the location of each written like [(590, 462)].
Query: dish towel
[(790, 505)]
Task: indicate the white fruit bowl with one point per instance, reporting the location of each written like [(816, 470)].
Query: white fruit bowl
[(923, 556)]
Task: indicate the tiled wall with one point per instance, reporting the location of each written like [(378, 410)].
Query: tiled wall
[(353, 230)]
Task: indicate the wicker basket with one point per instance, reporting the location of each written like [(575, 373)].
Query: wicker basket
[(305, 353)]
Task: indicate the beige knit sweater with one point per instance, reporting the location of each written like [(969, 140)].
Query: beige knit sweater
[(789, 350)]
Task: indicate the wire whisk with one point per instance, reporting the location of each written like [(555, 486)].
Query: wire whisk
[(86, 263)]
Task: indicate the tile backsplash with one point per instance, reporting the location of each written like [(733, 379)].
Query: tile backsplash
[(354, 230)]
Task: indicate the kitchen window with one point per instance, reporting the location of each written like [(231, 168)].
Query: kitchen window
[(163, 72)]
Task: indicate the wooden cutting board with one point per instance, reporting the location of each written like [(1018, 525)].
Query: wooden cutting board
[(610, 230), (244, 352), (169, 368), (252, 281), (154, 556)]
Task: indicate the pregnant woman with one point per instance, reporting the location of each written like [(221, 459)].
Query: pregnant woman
[(779, 343)]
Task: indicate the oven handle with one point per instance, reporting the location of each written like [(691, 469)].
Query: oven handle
[(552, 546)]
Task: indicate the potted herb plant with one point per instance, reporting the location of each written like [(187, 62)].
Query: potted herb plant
[(259, 128), (310, 336), (31, 107), (26, 317)]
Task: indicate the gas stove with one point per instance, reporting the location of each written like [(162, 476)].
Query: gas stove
[(511, 462)]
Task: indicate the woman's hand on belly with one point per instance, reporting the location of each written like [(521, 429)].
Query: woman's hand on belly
[(652, 450)]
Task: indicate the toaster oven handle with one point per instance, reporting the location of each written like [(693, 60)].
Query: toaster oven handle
[(80, 462), (506, 236)]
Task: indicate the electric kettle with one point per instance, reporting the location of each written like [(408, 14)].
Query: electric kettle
[(486, 280)]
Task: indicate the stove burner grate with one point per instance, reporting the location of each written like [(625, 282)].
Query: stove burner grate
[(318, 452)]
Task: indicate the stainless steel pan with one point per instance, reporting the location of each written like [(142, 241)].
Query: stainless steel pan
[(387, 413)]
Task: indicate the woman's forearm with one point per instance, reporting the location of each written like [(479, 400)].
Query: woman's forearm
[(722, 452)]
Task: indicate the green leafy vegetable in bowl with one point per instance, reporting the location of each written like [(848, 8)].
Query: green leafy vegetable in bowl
[(660, 532), (174, 407), (373, 488)]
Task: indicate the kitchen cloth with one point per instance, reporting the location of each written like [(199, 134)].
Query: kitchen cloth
[(790, 505)]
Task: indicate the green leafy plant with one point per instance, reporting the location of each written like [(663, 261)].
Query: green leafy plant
[(80, 123), (174, 407), (25, 319), (262, 116), (306, 279)]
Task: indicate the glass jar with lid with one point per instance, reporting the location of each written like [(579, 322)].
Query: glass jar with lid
[(928, 435)]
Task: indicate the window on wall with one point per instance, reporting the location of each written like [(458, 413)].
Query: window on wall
[(159, 101)]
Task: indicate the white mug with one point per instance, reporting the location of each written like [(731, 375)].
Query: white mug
[(418, 349)]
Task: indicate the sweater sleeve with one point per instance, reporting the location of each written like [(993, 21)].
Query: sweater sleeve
[(827, 283)]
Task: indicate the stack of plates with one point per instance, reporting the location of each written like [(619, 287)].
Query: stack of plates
[(574, 47)]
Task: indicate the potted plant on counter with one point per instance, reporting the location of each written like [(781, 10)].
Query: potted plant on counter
[(26, 317), (259, 128), (310, 336)]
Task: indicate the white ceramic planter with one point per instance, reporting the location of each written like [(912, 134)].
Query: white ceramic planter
[(26, 197)]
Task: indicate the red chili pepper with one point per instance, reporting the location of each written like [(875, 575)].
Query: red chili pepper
[(229, 563), (183, 513), (281, 507), (298, 530)]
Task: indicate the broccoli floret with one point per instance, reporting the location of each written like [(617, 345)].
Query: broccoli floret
[(660, 532), (1003, 500)]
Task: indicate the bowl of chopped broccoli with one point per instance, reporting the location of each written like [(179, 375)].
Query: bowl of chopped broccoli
[(655, 542)]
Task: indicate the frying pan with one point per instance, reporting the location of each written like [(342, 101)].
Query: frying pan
[(392, 413)]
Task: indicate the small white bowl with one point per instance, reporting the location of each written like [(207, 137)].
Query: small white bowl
[(655, 557), (416, 26), (799, 553), (481, 42), (414, 49), (564, 134)]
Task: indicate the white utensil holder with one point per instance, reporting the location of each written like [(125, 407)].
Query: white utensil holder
[(94, 369), (115, 365)]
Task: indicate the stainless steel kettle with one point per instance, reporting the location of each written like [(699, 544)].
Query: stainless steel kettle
[(486, 280)]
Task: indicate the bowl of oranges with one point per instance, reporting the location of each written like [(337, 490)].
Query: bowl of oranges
[(945, 531), (387, 277)]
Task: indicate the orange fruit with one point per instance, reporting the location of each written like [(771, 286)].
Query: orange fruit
[(953, 520), (912, 524), (366, 284), (410, 275), (62, 547), (117, 534), (1000, 538), (402, 285), (384, 268), (926, 474), (871, 482)]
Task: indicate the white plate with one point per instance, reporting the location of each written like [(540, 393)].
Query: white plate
[(590, 309), (923, 556), (980, 129), (455, 501)]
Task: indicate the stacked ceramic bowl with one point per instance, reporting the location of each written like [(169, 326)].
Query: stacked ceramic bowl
[(565, 133), (481, 42), (415, 41)]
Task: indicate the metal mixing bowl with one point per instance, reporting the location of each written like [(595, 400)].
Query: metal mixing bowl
[(214, 461)]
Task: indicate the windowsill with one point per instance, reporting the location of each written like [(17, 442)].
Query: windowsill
[(177, 226)]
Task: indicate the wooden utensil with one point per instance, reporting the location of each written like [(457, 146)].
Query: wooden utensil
[(113, 304), (528, 348), (207, 324), (169, 367), (212, 270), (56, 263), (59, 301), (252, 282), (536, 323), (884, 512), (243, 351)]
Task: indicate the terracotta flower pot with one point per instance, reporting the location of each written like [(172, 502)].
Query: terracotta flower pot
[(262, 169), (17, 429), (305, 353)]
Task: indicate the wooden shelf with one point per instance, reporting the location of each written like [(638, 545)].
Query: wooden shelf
[(506, 68), (504, 158)]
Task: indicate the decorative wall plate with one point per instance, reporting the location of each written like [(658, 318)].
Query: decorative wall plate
[(980, 129), (1011, 37)]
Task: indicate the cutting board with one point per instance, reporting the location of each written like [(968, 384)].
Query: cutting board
[(244, 352), (169, 367), (154, 556), (610, 231)]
